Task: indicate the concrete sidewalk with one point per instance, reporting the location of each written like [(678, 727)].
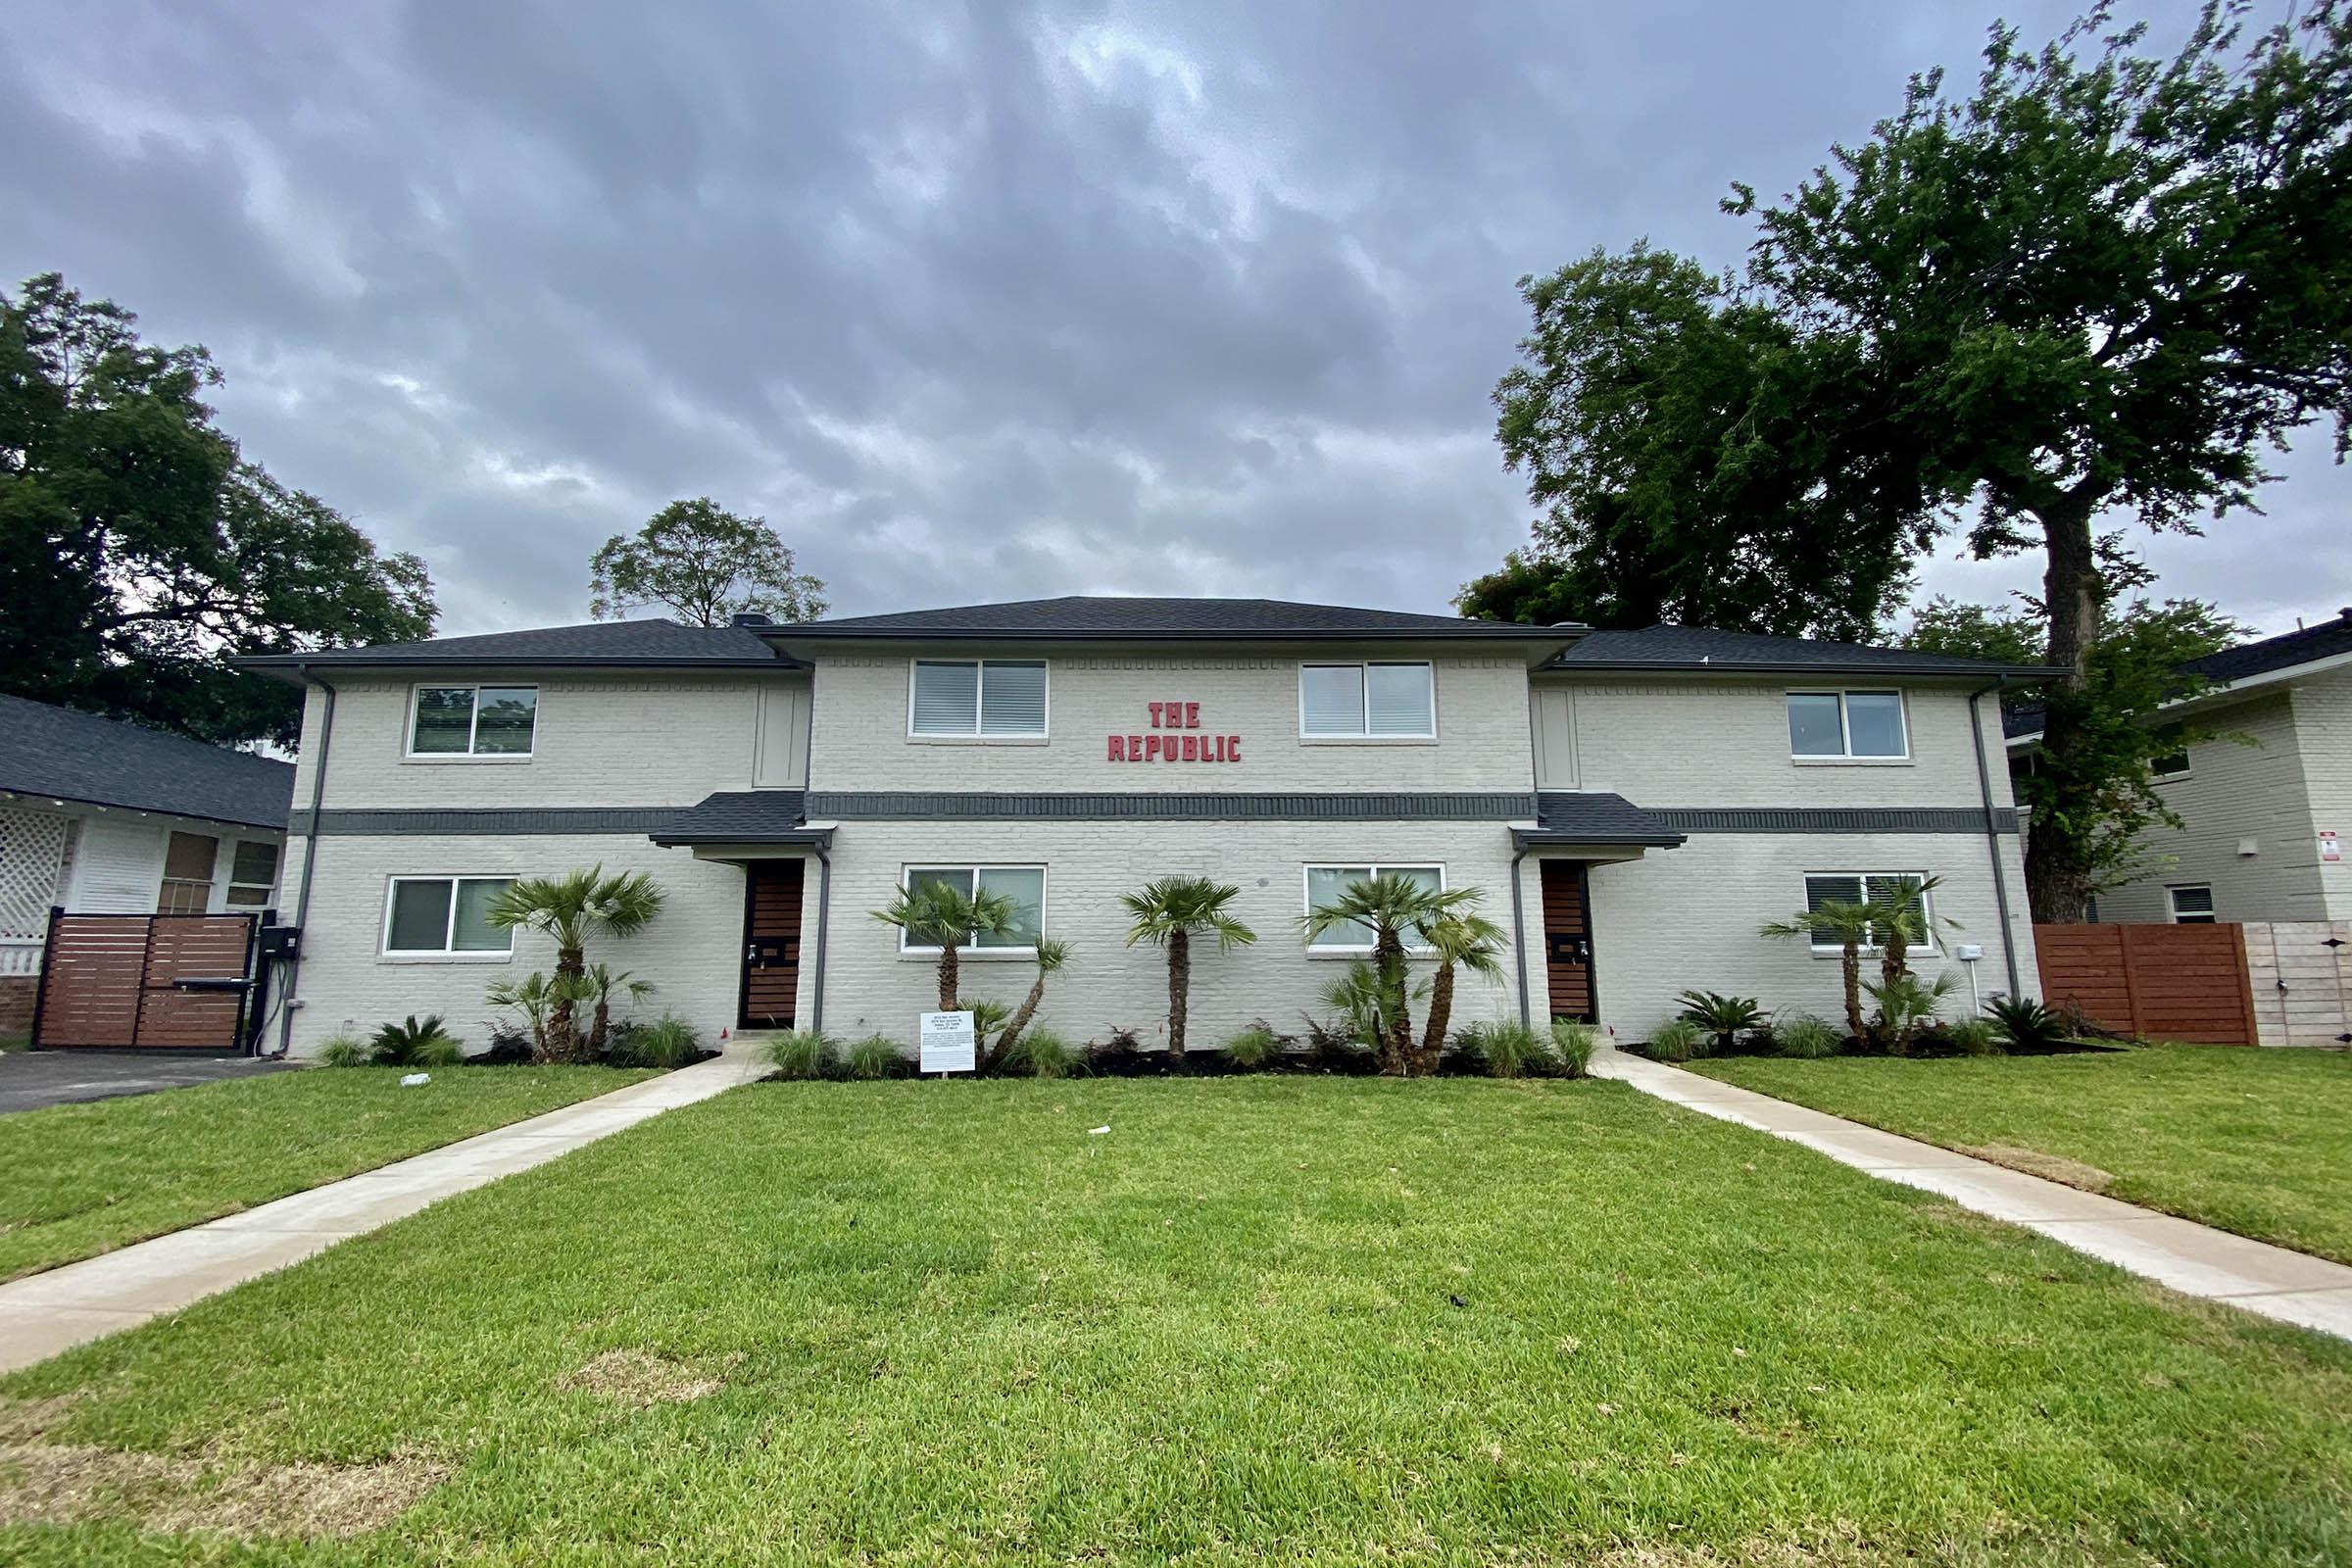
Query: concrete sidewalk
[(2191, 1258), (42, 1315)]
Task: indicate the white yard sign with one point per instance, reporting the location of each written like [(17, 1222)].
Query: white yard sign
[(947, 1042)]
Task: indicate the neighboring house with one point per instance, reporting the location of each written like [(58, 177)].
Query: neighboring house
[(2266, 805), (1634, 804), (104, 817)]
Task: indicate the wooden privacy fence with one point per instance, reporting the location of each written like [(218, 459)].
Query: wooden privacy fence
[(155, 980), (2155, 982)]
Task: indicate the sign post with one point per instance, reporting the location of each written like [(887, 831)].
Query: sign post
[(946, 1042)]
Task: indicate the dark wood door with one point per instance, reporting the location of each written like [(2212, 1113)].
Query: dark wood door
[(1568, 939), (771, 944)]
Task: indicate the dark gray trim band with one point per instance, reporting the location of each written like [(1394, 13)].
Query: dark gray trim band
[(521, 820), (921, 805), (1834, 818)]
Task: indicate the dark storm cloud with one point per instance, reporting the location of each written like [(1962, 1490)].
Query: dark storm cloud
[(979, 303)]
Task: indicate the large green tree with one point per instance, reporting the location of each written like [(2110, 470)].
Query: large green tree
[(2100, 281), (2101, 794), (139, 552), (705, 565)]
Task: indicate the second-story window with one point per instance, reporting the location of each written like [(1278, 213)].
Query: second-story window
[(1832, 724), (1388, 700), (977, 697), (473, 720)]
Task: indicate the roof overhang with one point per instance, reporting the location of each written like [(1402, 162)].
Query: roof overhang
[(136, 808), (1840, 672), (295, 668)]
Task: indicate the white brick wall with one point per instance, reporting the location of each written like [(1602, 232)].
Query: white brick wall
[(2248, 783), (2324, 740), (860, 739)]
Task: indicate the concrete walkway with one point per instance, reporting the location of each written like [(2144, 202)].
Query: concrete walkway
[(42, 1315), (2191, 1258)]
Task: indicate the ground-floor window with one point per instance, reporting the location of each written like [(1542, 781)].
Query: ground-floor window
[(251, 873), (1864, 887), (1025, 885), (427, 916), (2192, 903), (187, 886), (1325, 884)]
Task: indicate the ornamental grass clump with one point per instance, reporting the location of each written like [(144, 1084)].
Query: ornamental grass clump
[(1254, 1048), (804, 1053), (1807, 1036), (1504, 1050), (344, 1051), (1572, 1047), (1041, 1053), (666, 1042), (875, 1057), (1678, 1040)]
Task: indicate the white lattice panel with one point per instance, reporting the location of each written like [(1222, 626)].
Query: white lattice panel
[(32, 851)]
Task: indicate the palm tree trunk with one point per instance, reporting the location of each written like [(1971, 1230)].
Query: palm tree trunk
[(1397, 1029), (596, 1033), (1180, 980), (563, 1033), (1849, 966), (1441, 1014), (947, 977), (1016, 1024)]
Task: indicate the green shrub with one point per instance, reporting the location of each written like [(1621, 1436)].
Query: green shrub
[(802, 1054), (1256, 1046), (1678, 1040), (1040, 1052), (1572, 1047), (669, 1041), (1505, 1049), (2027, 1025), (1724, 1017), (410, 1044), (877, 1055), (1973, 1037), (1807, 1036), (344, 1051)]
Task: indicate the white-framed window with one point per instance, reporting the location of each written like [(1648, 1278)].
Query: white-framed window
[(1368, 700), (1848, 724), (1025, 885), (2191, 903), (473, 720), (188, 863), (1324, 884), (977, 699), (251, 873), (1859, 887), (443, 916)]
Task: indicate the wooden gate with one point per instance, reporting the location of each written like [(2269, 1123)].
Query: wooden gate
[(163, 980), (2153, 982)]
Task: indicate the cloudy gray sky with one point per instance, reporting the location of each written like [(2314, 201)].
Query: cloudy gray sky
[(972, 303)]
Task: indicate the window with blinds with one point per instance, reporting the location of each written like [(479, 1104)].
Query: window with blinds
[(1385, 700), (977, 697), (1823, 888), (1326, 885)]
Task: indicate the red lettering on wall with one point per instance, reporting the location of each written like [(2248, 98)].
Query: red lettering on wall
[(1151, 746), (1233, 745), (1154, 707), (1119, 748), (1192, 716), (1170, 713), (1192, 749), (1135, 748)]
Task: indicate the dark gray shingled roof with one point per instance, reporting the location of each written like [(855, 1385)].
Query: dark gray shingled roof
[(743, 816), (1576, 816), (1077, 615), (60, 755), (1699, 648), (642, 643), (2329, 639)]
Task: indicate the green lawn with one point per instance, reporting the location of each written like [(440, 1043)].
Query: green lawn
[(79, 1180), (1259, 1321), (2256, 1142)]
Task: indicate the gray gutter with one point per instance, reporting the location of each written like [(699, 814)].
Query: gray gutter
[(279, 667), (1692, 666), (1992, 835), (310, 863)]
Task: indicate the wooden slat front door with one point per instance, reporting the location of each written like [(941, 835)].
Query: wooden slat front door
[(1568, 939), (771, 944)]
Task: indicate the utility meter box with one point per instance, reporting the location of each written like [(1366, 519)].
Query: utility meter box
[(1968, 951)]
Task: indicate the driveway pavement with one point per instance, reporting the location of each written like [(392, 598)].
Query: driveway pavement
[(30, 1079)]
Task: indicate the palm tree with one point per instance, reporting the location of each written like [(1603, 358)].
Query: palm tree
[(597, 984), (1051, 954), (1847, 923), (569, 910), (1166, 915), (939, 915), (1899, 921), (1467, 941), (1388, 904), (532, 996)]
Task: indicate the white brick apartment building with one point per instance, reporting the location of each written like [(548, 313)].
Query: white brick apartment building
[(1632, 804)]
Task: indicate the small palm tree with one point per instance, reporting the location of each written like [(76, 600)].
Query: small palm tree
[(1388, 904), (1166, 915), (1846, 923), (1469, 942), (597, 984), (569, 910), (1051, 954), (939, 915), (1899, 921), (532, 996)]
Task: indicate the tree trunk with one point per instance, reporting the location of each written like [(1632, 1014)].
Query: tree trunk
[(562, 1033), (2057, 875), (1849, 966), (1016, 1024), (1397, 1029), (1180, 982), (596, 1032), (948, 977), (1441, 1014)]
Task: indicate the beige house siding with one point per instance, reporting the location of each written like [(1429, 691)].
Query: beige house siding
[(2323, 739), (2248, 784), (860, 739)]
